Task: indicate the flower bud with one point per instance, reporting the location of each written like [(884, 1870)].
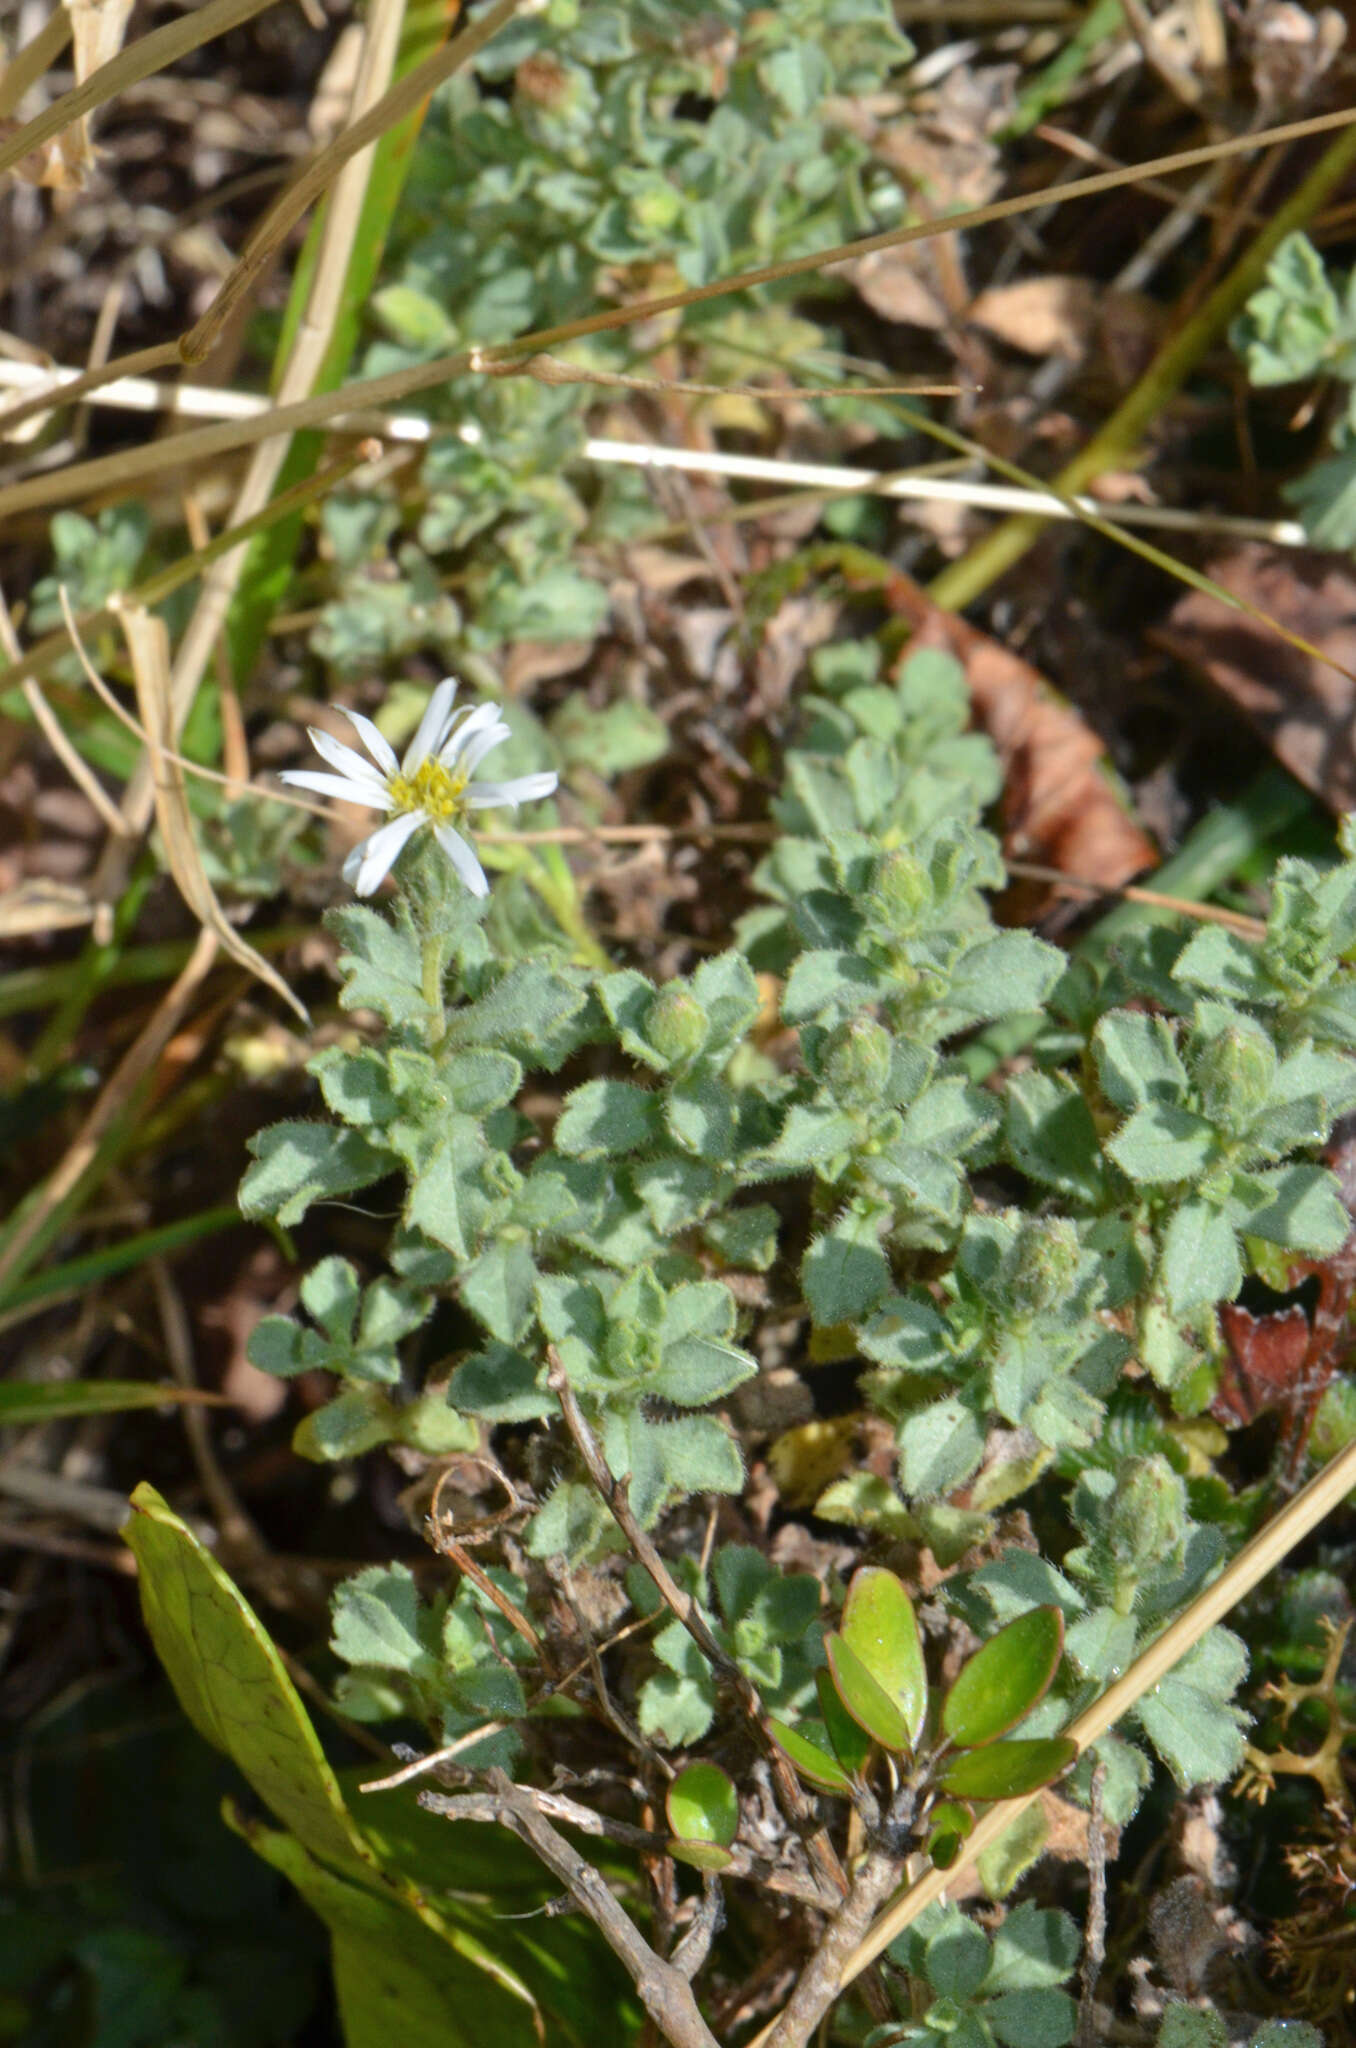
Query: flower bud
[(901, 890), (857, 1063), (1045, 1268), (1233, 1071), (676, 1024), (1146, 1525)]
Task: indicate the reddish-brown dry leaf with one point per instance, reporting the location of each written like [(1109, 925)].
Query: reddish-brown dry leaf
[(1302, 707), (1283, 1359), (1059, 806)]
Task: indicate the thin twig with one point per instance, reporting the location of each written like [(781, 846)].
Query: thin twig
[(663, 1990), (1094, 1936), (423, 1764), (686, 1610)]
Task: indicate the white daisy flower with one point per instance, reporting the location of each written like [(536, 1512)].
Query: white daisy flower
[(431, 786)]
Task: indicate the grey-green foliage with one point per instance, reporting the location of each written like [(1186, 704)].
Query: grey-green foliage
[(1164, 1141), (768, 1622), (1193, 2026), (446, 1662), (979, 1992), (593, 151), (1301, 324)]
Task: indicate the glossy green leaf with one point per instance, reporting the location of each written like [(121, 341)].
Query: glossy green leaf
[(810, 1759), (1004, 1679), (1008, 1770), (29, 1401), (868, 1703), (701, 1855), (949, 1824), (880, 1627), (851, 1744), (703, 1805)]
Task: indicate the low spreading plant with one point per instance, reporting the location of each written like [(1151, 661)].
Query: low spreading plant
[(608, 1190), (591, 154)]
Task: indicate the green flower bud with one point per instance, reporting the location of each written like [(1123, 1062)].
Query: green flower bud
[(1045, 1268), (1146, 1524), (857, 1063), (1234, 1070), (676, 1024), (901, 891)]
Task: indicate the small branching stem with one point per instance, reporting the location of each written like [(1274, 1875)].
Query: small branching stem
[(686, 1610)]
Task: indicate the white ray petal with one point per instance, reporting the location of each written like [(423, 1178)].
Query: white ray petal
[(375, 741), (519, 789), (372, 796), (370, 862), (346, 759), (483, 743), (462, 859), (429, 731), (476, 721)]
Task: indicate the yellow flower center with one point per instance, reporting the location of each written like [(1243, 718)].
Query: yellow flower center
[(438, 792)]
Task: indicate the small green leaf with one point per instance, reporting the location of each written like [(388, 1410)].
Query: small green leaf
[(956, 1959), (949, 1824), (297, 1164), (810, 1758), (703, 1806), (880, 1626), (868, 1703), (1008, 1770), (852, 1745), (605, 1118), (1004, 1679)]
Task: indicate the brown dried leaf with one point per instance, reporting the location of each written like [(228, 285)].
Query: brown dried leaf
[(1302, 707), (1059, 804), (1041, 316), (890, 281)]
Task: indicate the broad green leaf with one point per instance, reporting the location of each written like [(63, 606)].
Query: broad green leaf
[(1001, 1683), (27, 1401), (810, 1758), (1007, 1770), (703, 1806), (851, 1744), (865, 1700), (880, 1626), (580, 1986), (232, 1683), (388, 1962)]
